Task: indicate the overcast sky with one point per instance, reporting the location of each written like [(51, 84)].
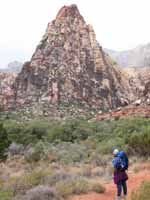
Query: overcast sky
[(119, 24)]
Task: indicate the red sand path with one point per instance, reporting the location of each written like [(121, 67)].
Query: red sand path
[(134, 182)]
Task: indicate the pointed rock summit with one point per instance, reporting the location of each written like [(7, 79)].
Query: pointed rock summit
[(67, 11), (69, 67)]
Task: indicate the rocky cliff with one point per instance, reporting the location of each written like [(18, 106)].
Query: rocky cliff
[(6, 92), (69, 67), (139, 82)]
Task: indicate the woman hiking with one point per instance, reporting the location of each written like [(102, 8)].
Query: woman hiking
[(120, 164)]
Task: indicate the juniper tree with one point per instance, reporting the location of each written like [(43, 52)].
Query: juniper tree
[(4, 142)]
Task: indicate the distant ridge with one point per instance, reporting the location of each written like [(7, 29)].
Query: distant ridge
[(14, 66), (137, 57)]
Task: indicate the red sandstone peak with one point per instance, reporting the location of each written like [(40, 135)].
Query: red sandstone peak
[(65, 11), (69, 67)]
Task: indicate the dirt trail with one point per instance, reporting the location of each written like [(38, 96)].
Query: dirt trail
[(135, 179)]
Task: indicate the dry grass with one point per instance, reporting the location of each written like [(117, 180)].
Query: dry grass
[(17, 177)]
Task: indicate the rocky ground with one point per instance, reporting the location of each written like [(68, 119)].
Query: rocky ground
[(130, 111)]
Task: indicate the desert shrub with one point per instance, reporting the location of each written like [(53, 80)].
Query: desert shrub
[(27, 132), (35, 177), (4, 141), (76, 185), (42, 193), (70, 131), (63, 132), (129, 126), (140, 143), (15, 149), (17, 185), (103, 130), (108, 145), (38, 128), (125, 127), (57, 177), (20, 185), (143, 193), (131, 135), (15, 131), (66, 153), (98, 172), (57, 134), (98, 188), (82, 131), (86, 172), (90, 143), (39, 132), (6, 194), (98, 159), (36, 153)]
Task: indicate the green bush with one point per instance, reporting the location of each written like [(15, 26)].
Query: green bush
[(140, 143), (98, 188), (57, 177), (131, 134), (19, 185), (6, 194), (107, 146), (27, 132), (77, 185), (66, 152), (36, 153), (42, 193), (4, 141), (63, 132)]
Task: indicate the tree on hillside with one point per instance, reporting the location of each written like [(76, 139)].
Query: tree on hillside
[(4, 142)]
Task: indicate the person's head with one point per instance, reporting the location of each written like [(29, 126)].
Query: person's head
[(115, 152)]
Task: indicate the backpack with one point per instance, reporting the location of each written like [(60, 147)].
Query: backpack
[(117, 163), (124, 160)]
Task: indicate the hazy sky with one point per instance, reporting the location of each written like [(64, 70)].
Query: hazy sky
[(119, 24)]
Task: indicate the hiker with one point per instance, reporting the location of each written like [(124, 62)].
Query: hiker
[(120, 164)]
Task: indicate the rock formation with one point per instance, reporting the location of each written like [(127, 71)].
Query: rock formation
[(6, 91), (70, 70), (69, 67), (139, 82)]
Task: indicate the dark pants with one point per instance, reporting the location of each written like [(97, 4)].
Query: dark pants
[(120, 185)]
